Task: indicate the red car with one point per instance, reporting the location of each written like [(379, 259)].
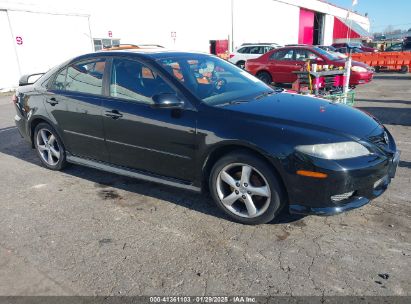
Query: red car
[(278, 65)]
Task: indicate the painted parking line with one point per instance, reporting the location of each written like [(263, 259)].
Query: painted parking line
[(7, 129)]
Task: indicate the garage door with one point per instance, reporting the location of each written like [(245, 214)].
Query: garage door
[(9, 71)]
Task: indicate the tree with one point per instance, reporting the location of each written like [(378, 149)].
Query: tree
[(389, 29)]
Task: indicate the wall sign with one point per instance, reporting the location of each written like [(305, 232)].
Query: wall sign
[(19, 40), (110, 34)]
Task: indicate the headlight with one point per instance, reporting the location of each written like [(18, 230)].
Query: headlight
[(358, 69), (342, 150)]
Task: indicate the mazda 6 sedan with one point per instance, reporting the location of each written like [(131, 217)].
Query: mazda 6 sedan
[(197, 122)]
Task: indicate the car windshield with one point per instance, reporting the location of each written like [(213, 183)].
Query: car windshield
[(213, 80), (328, 55)]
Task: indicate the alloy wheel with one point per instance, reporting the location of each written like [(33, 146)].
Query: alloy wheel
[(243, 190), (48, 147), (264, 78)]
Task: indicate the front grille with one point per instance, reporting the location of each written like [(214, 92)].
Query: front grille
[(342, 196), (381, 182)]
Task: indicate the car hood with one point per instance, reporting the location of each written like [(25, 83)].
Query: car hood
[(341, 62), (308, 112)]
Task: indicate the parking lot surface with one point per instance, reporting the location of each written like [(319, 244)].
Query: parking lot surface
[(86, 232)]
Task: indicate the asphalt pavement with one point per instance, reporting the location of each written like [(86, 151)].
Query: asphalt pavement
[(86, 232)]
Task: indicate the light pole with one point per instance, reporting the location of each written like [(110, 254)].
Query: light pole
[(232, 25)]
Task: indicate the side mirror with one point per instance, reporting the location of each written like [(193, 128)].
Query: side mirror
[(29, 79), (167, 101)]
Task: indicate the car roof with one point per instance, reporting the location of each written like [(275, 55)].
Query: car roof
[(154, 54), (258, 44), (298, 46), (131, 46)]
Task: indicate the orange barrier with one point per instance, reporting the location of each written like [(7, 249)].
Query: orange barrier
[(386, 60)]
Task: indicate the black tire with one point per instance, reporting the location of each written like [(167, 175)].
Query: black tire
[(275, 202), (265, 77), (377, 69), (241, 64), (60, 162), (404, 69)]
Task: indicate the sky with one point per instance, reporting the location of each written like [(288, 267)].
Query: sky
[(382, 13)]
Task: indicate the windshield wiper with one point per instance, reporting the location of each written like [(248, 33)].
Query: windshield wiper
[(232, 102), (267, 93)]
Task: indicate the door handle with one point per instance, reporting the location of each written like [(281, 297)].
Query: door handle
[(115, 114), (52, 101)]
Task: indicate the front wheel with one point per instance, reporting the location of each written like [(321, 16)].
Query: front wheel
[(241, 64), (245, 188), (49, 147), (265, 77), (404, 69)]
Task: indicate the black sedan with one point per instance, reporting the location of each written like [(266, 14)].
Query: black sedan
[(197, 122)]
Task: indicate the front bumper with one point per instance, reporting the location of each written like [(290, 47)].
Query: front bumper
[(314, 196), (361, 78), (22, 127)]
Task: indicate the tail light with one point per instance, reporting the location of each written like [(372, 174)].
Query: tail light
[(231, 56), (15, 99)]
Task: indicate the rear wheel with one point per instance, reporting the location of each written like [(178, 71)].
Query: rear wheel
[(265, 77), (49, 147), (404, 69), (246, 189), (241, 64)]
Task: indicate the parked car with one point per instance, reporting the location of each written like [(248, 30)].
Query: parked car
[(327, 48), (250, 51), (396, 47), (353, 45), (404, 46), (197, 122), (344, 50), (278, 65), (332, 50)]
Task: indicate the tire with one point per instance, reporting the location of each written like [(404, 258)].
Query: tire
[(49, 147), (262, 187), (377, 69), (264, 77), (241, 64), (404, 69)]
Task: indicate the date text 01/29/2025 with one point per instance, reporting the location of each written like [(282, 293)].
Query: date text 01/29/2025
[(202, 299)]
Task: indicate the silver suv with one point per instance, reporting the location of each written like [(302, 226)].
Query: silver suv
[(250, 51)]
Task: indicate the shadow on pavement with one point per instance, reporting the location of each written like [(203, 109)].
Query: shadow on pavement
[(12, 144), (405, 164), (387, 101), (392, 77), (390, 116)]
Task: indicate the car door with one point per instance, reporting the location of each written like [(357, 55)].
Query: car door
[(300, 57), (281, 65), (138, 136), (73, 101)]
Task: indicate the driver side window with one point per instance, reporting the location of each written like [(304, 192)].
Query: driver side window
[(134, 81)]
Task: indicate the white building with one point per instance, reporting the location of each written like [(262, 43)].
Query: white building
[(38, 34)]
